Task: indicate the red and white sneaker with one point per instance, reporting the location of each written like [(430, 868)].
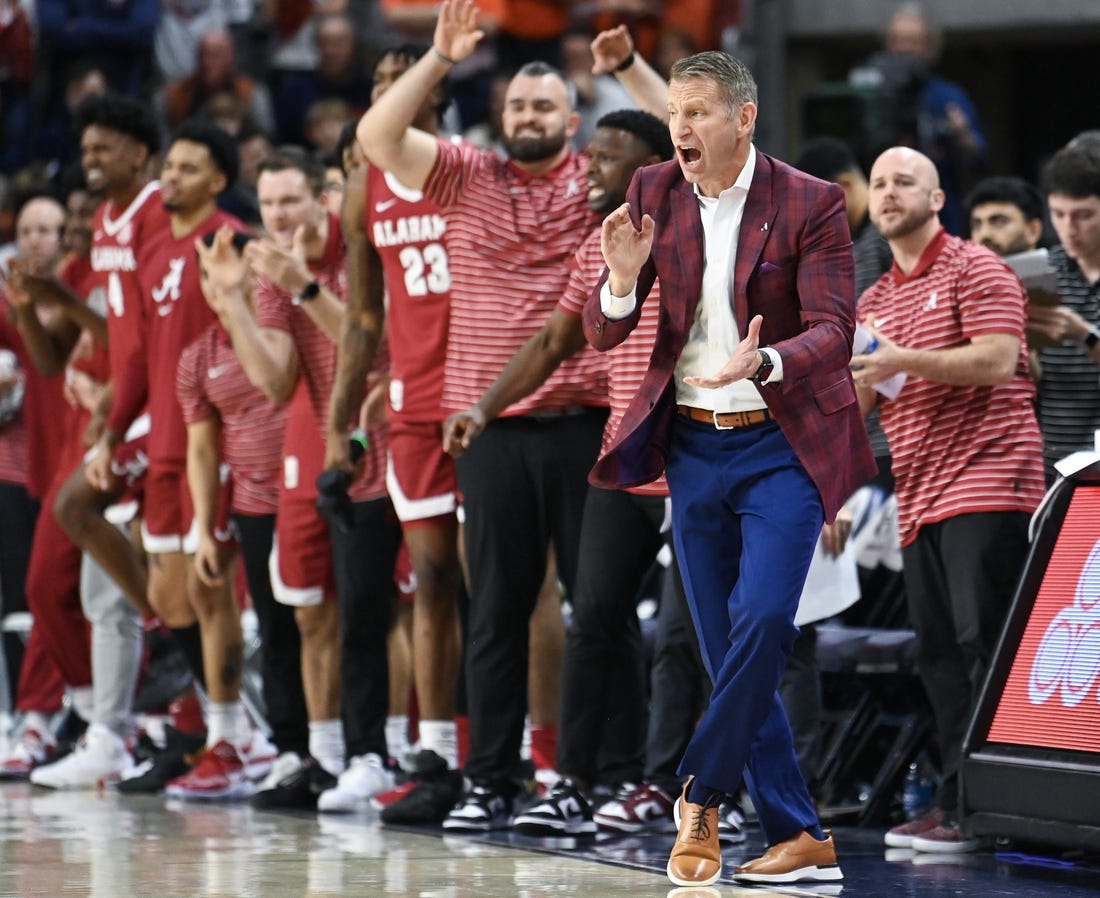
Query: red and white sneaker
[(258, 756), (637, 809), (902, 836), (219, 773), (31, 750), (385, 799)]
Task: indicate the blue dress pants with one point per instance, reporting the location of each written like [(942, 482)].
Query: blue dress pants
[(745, 519)]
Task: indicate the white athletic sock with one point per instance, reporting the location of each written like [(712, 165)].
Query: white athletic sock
[(326, 744), (40, 723), (83, 700), (441, 737), (397, 736), (227, 720)]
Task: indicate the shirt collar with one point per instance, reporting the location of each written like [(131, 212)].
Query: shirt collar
[(927, 258), (744, 180)]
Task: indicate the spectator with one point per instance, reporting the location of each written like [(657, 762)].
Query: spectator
[(530, 30), (179, 31), (833, 160), (55, 138), (116, 36), (1069, 400), (325, 120), (597, 95), (932, 114), (339, 75), (1004, 214), (214, 74), (253, 147), (473, 79), (967, 454), (16, 70)]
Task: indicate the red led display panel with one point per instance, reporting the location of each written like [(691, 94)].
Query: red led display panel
[(1052, 695)]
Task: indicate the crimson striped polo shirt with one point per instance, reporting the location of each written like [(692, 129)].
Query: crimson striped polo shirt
[(510, 238), (275, 308), (210, 383), (957, 450), (627, 362)]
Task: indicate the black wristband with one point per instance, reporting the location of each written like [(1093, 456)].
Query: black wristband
[(626, 63), (1091, 339), (447, 59), (311, 291)]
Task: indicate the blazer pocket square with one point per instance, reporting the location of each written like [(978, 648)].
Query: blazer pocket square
[(766, 267)]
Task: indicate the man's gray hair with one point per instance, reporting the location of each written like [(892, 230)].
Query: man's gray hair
[(732, 76)]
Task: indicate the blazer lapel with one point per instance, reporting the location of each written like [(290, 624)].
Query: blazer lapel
[(688, 227), (761, 210)]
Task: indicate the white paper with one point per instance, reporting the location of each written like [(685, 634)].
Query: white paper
[(1034, 269), (863, 343), (1075, 462), (832, 584)]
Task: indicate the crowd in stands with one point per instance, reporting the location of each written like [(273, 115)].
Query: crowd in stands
[(290, 320)]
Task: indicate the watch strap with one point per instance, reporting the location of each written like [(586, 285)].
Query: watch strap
[(763, 372), (309, 291)]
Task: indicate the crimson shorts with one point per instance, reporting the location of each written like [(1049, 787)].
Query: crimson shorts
[(169, 524), (420, 476), (301, 556), (129, 463)]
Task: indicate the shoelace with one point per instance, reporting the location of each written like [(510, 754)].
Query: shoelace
[(700, 826)]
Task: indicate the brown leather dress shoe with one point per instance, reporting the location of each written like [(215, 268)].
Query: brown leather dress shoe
[(801, 857), (696, 858)]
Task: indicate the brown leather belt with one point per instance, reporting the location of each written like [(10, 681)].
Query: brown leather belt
[(725, 420)]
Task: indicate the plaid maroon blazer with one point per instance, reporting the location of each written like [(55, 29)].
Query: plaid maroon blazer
[(794, 266)]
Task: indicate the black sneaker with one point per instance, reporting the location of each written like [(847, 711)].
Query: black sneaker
[(164, 765), (430, 800), (485, 808), (564, 812), (298, 791), (731, 824)]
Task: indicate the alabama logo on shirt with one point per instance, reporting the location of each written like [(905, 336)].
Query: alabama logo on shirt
[(169, 289)]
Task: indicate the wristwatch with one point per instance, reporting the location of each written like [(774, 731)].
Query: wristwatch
[(765, 369), (1091, 339), (309, 291)]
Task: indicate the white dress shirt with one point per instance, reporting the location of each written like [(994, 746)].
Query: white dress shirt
[(714, 335)]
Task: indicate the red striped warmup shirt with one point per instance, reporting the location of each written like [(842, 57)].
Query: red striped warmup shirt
[(317, 353), (510, 238), (211, 383), (957, 450)]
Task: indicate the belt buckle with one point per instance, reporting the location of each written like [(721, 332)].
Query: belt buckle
[(714, 417)]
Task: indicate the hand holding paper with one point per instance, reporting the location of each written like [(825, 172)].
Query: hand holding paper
[(875, 361)]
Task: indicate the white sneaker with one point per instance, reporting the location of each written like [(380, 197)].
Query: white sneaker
[(258, 755), (365, 777), (99, 759), (286, 764)]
